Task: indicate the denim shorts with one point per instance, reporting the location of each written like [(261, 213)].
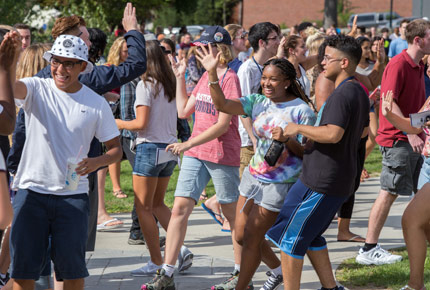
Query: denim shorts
[(195, 175), (36, 217), (144, 162), (424, 173), (400, 168), (270, 196)]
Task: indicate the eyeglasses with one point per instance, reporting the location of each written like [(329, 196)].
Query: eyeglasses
[(68, 64), (167, 51), (272, 38), (329, 59), (242, 36), (79, 34)]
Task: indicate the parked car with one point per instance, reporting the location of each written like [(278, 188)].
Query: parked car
[(376, 19), (396, 22), (192, 29)]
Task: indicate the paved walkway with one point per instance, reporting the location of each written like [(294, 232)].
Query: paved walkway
[(111, 263)]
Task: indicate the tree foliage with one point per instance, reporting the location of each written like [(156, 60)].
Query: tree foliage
[(186, 12), (14, 11), (105, 14)]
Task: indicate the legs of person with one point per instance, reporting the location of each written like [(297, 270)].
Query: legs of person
[(416, 230), (102, 214), (321, 263), (292, 271), (397, 177), (160, 209), (75, 284), (177, 228), (343, 222), (4, 252), (115, 173), (21, 284), (259, 221), (144, 189), (378, 215)]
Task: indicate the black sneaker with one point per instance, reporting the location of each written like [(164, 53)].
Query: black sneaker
[(3, 281), (136, 238)]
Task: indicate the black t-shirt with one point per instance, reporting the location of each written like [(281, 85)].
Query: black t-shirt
[(331, 168)]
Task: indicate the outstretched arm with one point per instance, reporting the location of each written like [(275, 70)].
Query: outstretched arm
[(184, 105), (210, 63), (106, 78), (9, 53)]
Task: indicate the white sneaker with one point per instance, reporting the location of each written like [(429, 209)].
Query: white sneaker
[(149, 269), (185, 259), (376, 256)]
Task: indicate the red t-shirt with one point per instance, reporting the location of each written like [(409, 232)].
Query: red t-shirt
[(226, 148), (406, 80)]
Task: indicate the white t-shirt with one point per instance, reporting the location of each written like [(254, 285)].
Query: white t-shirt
[(161, 127), (249, 77), (57, 124), (304, 82)]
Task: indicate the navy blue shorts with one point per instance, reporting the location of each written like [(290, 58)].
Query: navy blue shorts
[(144, 162), (36, 217), (303, 219)]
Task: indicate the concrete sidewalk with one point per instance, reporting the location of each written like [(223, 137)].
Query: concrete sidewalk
[(111, 263)]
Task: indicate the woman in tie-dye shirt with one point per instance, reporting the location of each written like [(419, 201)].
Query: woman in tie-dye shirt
[(264, 187)]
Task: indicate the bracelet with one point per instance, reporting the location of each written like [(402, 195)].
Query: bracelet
[(213, 83), (286, 141)]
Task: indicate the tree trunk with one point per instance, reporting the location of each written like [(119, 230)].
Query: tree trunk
[(330, 13)]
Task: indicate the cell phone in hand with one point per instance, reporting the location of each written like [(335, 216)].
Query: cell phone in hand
[(418, 120), (274, 152)]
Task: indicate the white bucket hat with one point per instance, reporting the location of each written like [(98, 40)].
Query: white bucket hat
[(70, 46)]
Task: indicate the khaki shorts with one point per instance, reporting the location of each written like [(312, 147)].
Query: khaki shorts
[(246, 154)]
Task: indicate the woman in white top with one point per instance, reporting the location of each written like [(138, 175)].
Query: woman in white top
[(295, 51), (155, 124)]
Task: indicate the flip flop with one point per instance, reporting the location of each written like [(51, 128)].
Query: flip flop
[(119, 194), (354, 239), (213, 214), (105, 227), (226, 229)]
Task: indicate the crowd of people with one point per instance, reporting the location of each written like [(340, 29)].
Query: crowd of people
[(312, 105)]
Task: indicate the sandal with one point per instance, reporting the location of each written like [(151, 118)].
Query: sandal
[(203, 196), (119, 194)]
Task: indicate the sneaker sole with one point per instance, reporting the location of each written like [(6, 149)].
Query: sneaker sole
[(135, 242), (143, 274), (187, 263), (367, 262)]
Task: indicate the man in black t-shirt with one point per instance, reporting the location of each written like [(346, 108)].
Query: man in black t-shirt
[(329, 167)]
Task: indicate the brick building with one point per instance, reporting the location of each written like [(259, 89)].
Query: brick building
[(291, 12)]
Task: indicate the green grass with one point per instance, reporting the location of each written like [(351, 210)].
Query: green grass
[(394, 276), (115, 205)]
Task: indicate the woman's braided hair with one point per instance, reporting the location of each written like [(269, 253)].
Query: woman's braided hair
[(289, 72)]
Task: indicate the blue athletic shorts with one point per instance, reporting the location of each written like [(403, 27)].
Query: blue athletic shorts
[(303, 219), (36, 217)]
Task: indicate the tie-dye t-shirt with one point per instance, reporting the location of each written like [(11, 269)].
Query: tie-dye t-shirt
[(266, 115)]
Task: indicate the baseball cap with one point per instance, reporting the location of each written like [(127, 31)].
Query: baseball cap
[(213, 35), (70, 46)]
